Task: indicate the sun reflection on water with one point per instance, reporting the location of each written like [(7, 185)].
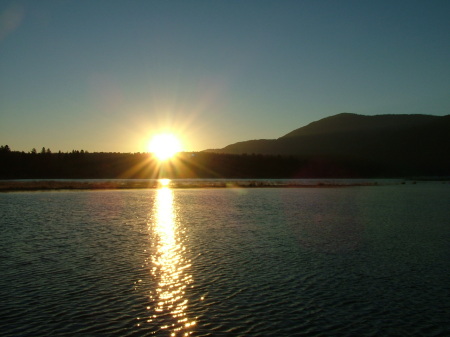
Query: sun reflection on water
[(170, 268)]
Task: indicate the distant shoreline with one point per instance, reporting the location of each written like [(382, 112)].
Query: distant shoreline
[(117, 184)]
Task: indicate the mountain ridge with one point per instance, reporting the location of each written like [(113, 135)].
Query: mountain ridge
[(415, 142), (346, 122)]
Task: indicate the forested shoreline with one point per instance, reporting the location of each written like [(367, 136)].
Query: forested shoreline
[(80, 164)]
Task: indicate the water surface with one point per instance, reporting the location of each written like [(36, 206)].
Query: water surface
[(354, 261)]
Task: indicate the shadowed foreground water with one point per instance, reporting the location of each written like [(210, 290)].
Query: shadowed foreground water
[(355, 261)]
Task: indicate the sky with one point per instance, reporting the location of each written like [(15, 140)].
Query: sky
[(106, 75)]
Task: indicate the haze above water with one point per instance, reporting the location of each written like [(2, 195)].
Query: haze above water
[(353, 261)]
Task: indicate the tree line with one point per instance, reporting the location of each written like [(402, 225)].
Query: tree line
[(81, 164), (7, 149)]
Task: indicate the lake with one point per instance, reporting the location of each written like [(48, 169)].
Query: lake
[(310, 261)]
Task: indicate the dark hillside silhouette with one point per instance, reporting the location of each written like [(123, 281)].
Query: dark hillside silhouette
[(399, 144), (347, 122)]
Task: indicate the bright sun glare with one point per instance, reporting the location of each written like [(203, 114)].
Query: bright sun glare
[(164, 146)]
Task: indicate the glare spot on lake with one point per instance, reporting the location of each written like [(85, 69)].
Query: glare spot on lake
[(170, 267), (164, 182)]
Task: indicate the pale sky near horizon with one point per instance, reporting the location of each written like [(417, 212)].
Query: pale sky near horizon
[(104, 75)]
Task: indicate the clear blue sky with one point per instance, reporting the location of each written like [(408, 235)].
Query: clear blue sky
[(104, 75)]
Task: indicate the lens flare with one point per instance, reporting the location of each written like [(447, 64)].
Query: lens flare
[(164, 146)]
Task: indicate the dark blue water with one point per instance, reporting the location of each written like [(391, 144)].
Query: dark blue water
[(353, 261)]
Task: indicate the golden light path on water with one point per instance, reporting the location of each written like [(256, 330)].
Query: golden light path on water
[(170, 267)]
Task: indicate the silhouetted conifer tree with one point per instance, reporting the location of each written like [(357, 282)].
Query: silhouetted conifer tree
[(5, 149)]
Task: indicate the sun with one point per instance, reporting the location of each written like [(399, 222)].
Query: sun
[(164, 146)]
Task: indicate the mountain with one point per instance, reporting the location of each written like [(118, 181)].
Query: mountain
[(397, 144)]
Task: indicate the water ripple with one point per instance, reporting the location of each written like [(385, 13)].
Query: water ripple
[(257, 262)]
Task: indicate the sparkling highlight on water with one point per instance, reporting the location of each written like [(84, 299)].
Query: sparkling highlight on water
[(170, 267)]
